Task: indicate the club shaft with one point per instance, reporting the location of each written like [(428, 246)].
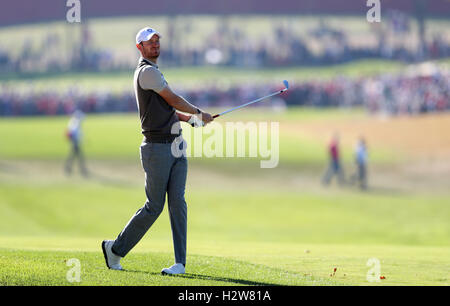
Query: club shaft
[(248, 103)]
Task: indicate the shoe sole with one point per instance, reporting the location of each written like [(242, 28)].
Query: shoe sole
[(104, 253)]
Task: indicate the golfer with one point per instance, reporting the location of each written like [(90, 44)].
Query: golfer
[(165, 172)]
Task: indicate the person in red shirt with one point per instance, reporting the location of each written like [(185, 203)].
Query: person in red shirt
[(334, 168)]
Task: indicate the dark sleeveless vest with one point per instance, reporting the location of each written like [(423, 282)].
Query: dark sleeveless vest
[(157, 116)]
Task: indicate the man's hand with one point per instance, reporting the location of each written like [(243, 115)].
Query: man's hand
[(195, 121), (202, 119), (206, 117)]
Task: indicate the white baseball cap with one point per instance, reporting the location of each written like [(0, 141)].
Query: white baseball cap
[(146, 34)]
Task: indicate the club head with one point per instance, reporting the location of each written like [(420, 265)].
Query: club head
[(286, 84)]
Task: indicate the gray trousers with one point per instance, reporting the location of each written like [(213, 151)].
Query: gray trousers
[(164, 173)]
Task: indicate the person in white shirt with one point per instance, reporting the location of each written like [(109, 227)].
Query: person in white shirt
[(361, 163), (74, 135)]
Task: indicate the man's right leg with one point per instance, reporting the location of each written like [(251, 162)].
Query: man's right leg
[(157, 165)]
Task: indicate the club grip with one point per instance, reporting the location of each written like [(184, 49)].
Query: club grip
[(215, 116)]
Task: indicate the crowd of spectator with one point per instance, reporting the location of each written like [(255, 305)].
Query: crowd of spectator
[(230, 45), (57, 103), (387, 94), (401, 94)]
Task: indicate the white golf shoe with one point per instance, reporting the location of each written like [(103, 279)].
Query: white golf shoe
[(111, 259), (175, 269)]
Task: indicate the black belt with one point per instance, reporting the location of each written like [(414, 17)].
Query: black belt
[(159, 140)]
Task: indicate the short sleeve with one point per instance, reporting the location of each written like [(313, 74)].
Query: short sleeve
[(151, 78)]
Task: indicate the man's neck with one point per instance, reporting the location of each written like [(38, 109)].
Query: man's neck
[(152, 60)]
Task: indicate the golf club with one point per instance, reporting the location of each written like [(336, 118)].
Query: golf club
[(286, 84)]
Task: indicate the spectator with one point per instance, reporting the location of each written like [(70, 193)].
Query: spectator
[(74, 135), (361, 164), (334, 167)]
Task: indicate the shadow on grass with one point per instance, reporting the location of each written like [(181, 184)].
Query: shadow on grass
[(376, 190), (109, 181), (210, 278), (225, 279)]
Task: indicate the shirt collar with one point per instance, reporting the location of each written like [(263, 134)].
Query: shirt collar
[(149, 61)]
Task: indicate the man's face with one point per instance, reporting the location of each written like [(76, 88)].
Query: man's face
[(150, 48)]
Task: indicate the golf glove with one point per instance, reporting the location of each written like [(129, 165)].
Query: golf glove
[(195, 121)]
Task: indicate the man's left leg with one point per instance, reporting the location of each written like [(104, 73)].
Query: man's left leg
[(178, 208)]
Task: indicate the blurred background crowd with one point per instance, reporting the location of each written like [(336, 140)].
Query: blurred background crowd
[(403, 36), (422, 91), (229, 43)]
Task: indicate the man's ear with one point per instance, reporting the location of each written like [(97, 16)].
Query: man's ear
[(139, 46)]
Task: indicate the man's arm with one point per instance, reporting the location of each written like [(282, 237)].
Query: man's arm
[(176, 101), (183, 117), (151, 79), (179, 103)]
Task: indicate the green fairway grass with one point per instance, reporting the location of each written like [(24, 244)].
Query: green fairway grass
[(50, 268), (118, 136), (230, 264), (246, 237), (253, 215), (246, 225)]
